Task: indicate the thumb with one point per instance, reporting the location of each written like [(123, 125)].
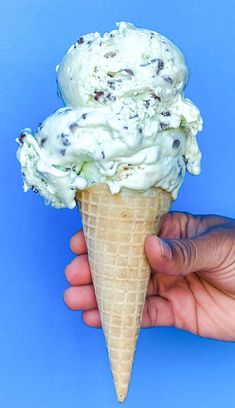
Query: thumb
[(181, 256)]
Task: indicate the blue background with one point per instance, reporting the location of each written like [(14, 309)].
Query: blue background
[(48, 357)]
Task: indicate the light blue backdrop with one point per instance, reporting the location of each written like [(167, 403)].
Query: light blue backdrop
[(48, 358)]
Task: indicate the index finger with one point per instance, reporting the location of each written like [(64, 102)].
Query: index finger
[(78, 243)]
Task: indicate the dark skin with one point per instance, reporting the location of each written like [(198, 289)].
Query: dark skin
[(192, 284)]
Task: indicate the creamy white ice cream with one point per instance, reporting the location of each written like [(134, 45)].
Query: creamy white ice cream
[(126, 123)]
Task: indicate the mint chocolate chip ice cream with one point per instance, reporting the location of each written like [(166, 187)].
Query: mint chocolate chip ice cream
[(128, 62), (126, 121)]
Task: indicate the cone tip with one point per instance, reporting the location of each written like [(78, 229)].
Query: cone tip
[(121, 392), (121, 397)]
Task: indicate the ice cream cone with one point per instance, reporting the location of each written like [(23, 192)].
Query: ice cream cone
[(115, 228)]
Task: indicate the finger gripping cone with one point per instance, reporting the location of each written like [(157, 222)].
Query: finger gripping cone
[(115, 228)]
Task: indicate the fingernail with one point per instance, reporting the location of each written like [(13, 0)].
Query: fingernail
[(165, 250)]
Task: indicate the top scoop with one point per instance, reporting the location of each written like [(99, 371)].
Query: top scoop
[(126, 124), (128, 62)]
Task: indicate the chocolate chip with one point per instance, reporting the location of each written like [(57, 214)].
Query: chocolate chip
[(65, 139), (160, 64), (43, 141), (134, 116), (145, 64), (111, 97), (111, 35), (152, 35), (89, 42), (103, 155), (22, 137), (125, 127), (84, 115), (73, 127), (40, 126), (111, 84), (128, 71), (140, 130), (111, 74), (147, 103), (164, 125), (110, 54), (66, 142), (34, 189), (176, 144), (156, 96), (81, 40), (62, 151), (180, 168), (168, 79), (98, 95), (165, 113)]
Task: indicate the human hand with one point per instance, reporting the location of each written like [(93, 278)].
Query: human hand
[(192, 284)]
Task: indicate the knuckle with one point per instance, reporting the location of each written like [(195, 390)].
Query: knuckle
[(191, 253), (194, 225), (187, 254)]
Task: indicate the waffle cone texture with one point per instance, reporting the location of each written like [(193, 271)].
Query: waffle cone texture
[(115, 228)]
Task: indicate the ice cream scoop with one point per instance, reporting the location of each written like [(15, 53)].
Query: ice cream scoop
[(123, 146), (127, 62)]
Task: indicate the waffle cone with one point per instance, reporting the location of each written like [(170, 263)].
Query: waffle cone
[(115, 228)]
